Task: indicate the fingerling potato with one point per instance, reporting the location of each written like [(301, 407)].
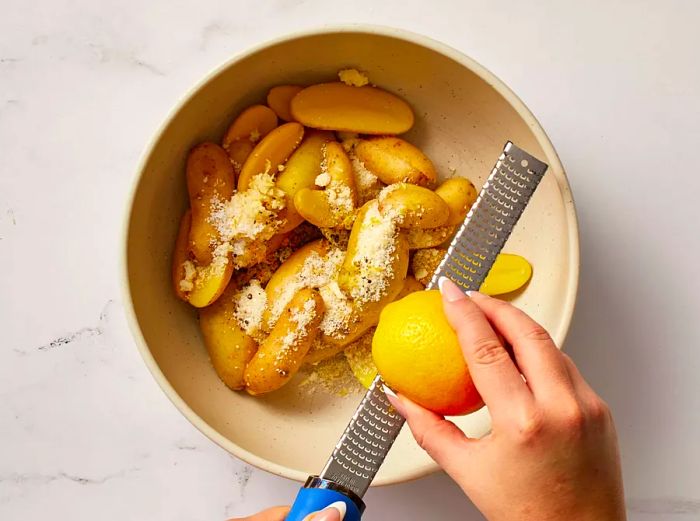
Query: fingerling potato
[(210, 178), (246, 130), (281, 354), (413, 206), (332, 205), (230, 348), (210, 281), (509, 273), (341, 107), (394, 160), (459, 194), (300, 171), (271, 152), (286, 274), (252, 124), (279, 98)]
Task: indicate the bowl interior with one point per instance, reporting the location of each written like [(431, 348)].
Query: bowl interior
[(462, 123)]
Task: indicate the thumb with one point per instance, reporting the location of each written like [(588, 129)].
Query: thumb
[(440, 438)]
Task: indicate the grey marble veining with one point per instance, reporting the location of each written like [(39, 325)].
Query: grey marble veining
[(85, 432)]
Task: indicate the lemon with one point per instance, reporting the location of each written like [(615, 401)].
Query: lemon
[(418, 355)]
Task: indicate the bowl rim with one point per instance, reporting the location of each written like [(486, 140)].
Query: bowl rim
[(568, 305)]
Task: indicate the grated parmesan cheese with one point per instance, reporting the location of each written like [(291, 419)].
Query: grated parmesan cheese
[(290, 342), (249, 219), (374, 256), (336, 318), (187, 284), (317, 271), (250, 302), (368, 184), (323, 179), (353, 77)]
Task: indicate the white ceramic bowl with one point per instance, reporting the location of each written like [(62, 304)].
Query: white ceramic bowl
[(464, 115)]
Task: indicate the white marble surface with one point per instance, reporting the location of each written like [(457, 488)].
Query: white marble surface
[(85, 433)]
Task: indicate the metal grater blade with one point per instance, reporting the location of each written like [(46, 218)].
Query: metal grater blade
[(375, 425)]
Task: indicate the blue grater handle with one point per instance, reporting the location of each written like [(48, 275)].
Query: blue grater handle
[(311, 500)]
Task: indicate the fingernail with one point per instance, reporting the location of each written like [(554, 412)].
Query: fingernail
[(388, 391), (394, 400), (333, 512), (449, 290)]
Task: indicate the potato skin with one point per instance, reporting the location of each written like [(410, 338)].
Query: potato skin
[(278, 359), (253, 123), (271, 152), (210, 177), (341, 107), (394, 160), (414, 206), (230, 348), (255, 119), (279, 99), (460, 194), (300, 172), (210, 283), (181, 255)]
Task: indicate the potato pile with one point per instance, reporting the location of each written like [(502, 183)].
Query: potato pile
[(304, 223)]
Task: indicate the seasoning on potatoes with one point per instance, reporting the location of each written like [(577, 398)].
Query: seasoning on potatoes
[(459, 194), (210, 180), (271, 152), (310, 266), (372, 273), (413, 206), (394, 160), (419, 238), (229, 347), (248, 128), (365, 110), (279, 98), (281, 354), (300, 171), (425, 262)]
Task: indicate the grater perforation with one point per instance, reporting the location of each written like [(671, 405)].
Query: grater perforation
[(375, 424)]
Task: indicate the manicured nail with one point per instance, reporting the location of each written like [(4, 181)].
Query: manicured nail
[(333, 512), (450, 291), (394, 400), (388, 391)]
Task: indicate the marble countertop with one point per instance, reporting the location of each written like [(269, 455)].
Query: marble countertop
[(85, 433)]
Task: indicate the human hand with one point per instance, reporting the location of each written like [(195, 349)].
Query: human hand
[(552, 453), (333, 512)]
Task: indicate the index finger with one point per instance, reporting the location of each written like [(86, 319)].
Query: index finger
[(537, 356), (494, 374)]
